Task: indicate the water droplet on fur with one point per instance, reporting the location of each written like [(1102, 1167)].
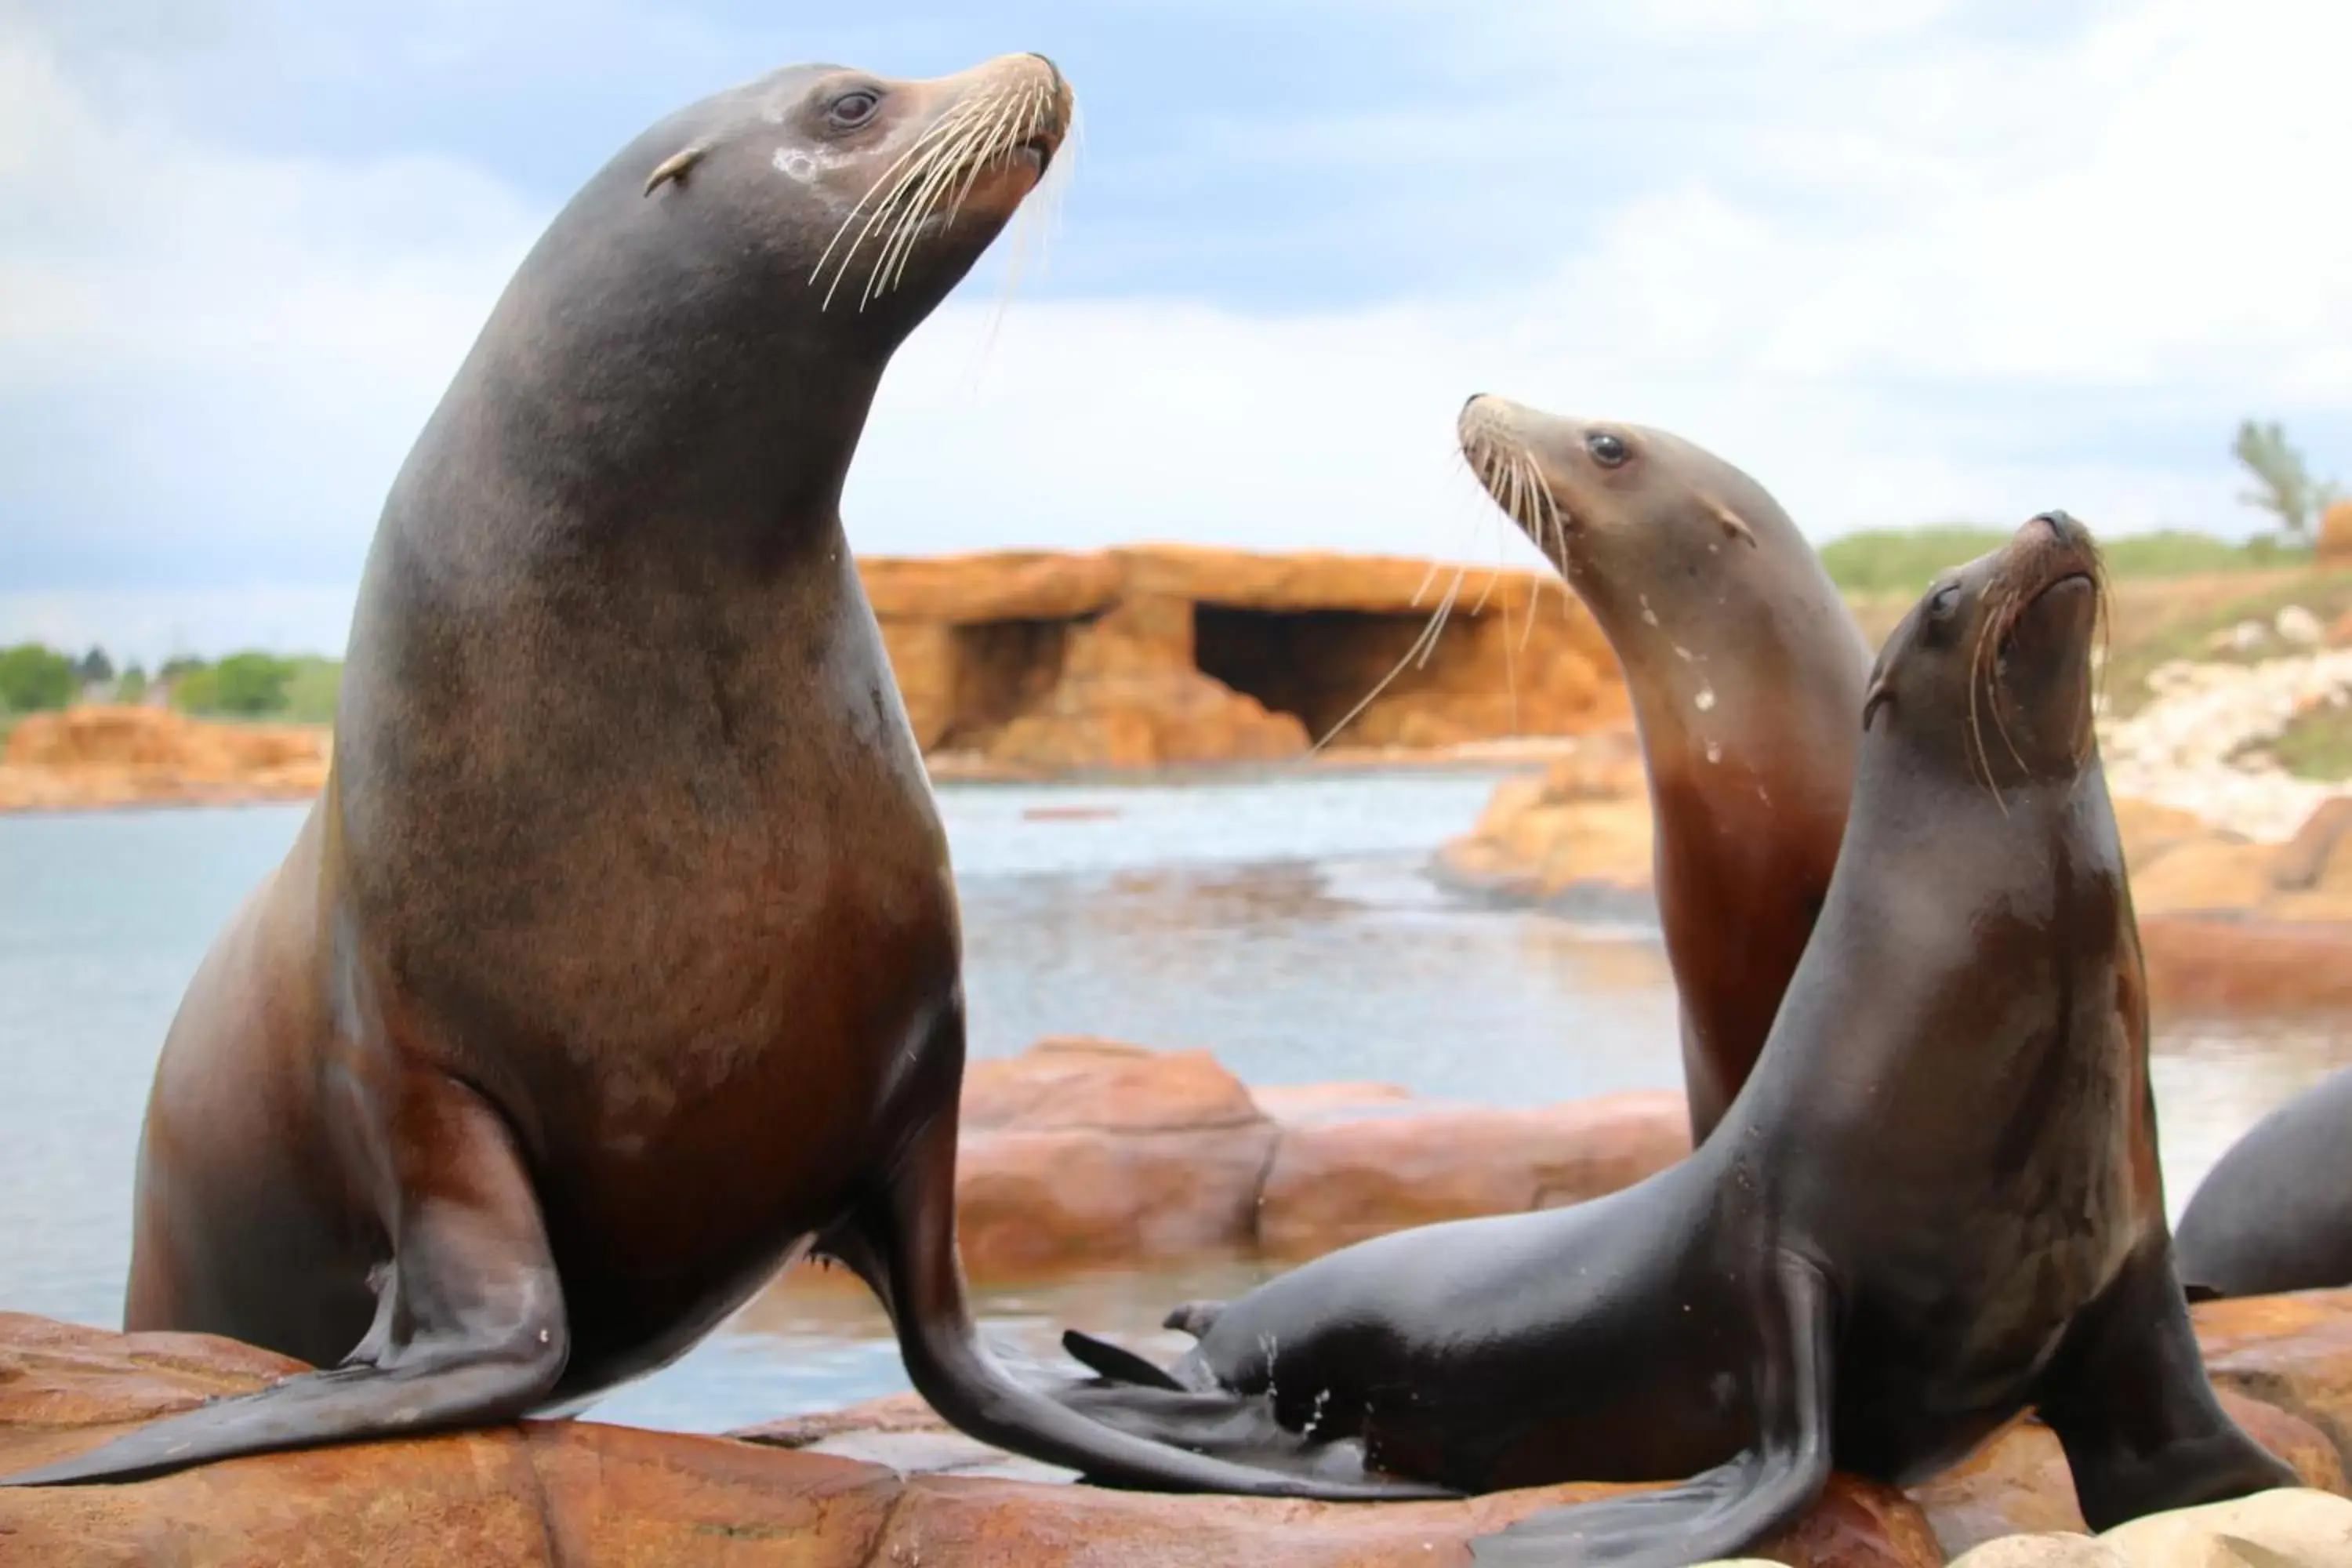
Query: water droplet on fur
[(1705, 700), (1648, 615), (1714, 751)]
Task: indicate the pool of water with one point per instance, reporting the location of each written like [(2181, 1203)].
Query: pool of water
[(1285, 922)]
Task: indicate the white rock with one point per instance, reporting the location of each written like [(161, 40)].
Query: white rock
[(2293, 1527), (2300, 627), (2052, 1551), (2181, 750)]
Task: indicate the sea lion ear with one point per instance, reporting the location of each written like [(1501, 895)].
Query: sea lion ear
[(1877, 696), (1733, 524), (674, 166)]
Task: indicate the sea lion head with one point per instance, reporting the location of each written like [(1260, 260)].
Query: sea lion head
[(852, 191), (701, 332), (1614, 506), (1991, 669)]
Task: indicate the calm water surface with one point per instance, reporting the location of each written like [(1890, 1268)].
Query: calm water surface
[(1284, 923)]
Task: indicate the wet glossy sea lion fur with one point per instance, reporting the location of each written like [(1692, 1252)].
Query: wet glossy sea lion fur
[(1935, 1203), (618, 964), (1746, 670), (2275, 1212)]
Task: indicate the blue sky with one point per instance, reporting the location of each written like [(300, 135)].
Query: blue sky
[(1904, 260)]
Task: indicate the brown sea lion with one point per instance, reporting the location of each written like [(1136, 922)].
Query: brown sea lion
[(618, 964), (1935, 1203), (1744, 670)]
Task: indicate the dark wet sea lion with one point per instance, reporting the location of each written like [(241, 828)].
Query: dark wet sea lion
[(1746, 670), (618, 964), (1936, 1203), (2275, 1212)]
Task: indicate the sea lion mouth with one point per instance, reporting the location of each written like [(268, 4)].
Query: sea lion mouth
[(1513, 479)]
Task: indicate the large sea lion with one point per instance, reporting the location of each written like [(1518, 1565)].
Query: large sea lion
[(1746, 670), (1935, 1203), (618, 964), (2275, 1212)]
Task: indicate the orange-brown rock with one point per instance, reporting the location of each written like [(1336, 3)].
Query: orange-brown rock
[(2148, 830), (2333, 545), (2311, 857), (96, 756), (1163, 654), (2292, 1352), (1084, 1152), (1581, 831), (1338, 1181), (2231, 965), (2017, 1483), (1090, 1153), (2204, 876), (579, 1492)]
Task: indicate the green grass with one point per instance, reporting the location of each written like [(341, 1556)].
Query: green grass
[(2328, 595), (2317, 745), (1905, 560), (311, 695)]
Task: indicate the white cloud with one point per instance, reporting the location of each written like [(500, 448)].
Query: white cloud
[(1902, 271)]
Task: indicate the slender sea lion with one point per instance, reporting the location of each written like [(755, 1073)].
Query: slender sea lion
[(1746, 671), (618, 964), (2275, 1212), (1935, 1203)]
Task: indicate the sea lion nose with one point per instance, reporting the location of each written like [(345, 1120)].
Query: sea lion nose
[(2061, 526), (1472, 401), (1060, 86)]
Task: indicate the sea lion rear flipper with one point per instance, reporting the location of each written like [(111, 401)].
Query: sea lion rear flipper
[(469, 1325), (901, 1241), (1723, 1511), (1119, 1364), (2130, 1400)]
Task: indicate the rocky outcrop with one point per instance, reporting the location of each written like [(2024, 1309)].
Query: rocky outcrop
[(2334, 544), (578, 1492), (103, 756), (885, 1483), (2228, 923), (1161, 656), (1084, 1152), (2284, 1529)]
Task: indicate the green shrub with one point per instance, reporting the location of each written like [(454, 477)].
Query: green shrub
[(33, 677), (1905, 560)]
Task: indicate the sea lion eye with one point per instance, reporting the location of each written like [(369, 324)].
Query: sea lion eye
[(1945, 597), (854, 107), (1607, 451)]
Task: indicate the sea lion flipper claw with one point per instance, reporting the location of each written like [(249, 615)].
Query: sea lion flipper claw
[(2130, 1402), (470, 1325), (1723, 1511)]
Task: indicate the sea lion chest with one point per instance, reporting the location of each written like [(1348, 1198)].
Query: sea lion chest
[(654, 865)]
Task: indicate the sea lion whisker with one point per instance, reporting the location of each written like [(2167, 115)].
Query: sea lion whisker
[(915, 153), (969, 156), (1427, 634), (940, 170), (1444, 609)]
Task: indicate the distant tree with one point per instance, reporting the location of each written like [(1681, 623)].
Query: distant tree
[(133, 687), (251, 683), (33, 677), (177, 666), (96, 668), (2286, 487), (195, 689)]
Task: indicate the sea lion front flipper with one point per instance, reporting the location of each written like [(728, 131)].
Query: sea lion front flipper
[(901, 1241), (469, 1325), (1115, 1361), (1723, 1511), (2128, 1398)]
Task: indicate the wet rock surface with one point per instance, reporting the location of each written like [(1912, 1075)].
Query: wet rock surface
[(1085, 1152), (579, 1493)]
